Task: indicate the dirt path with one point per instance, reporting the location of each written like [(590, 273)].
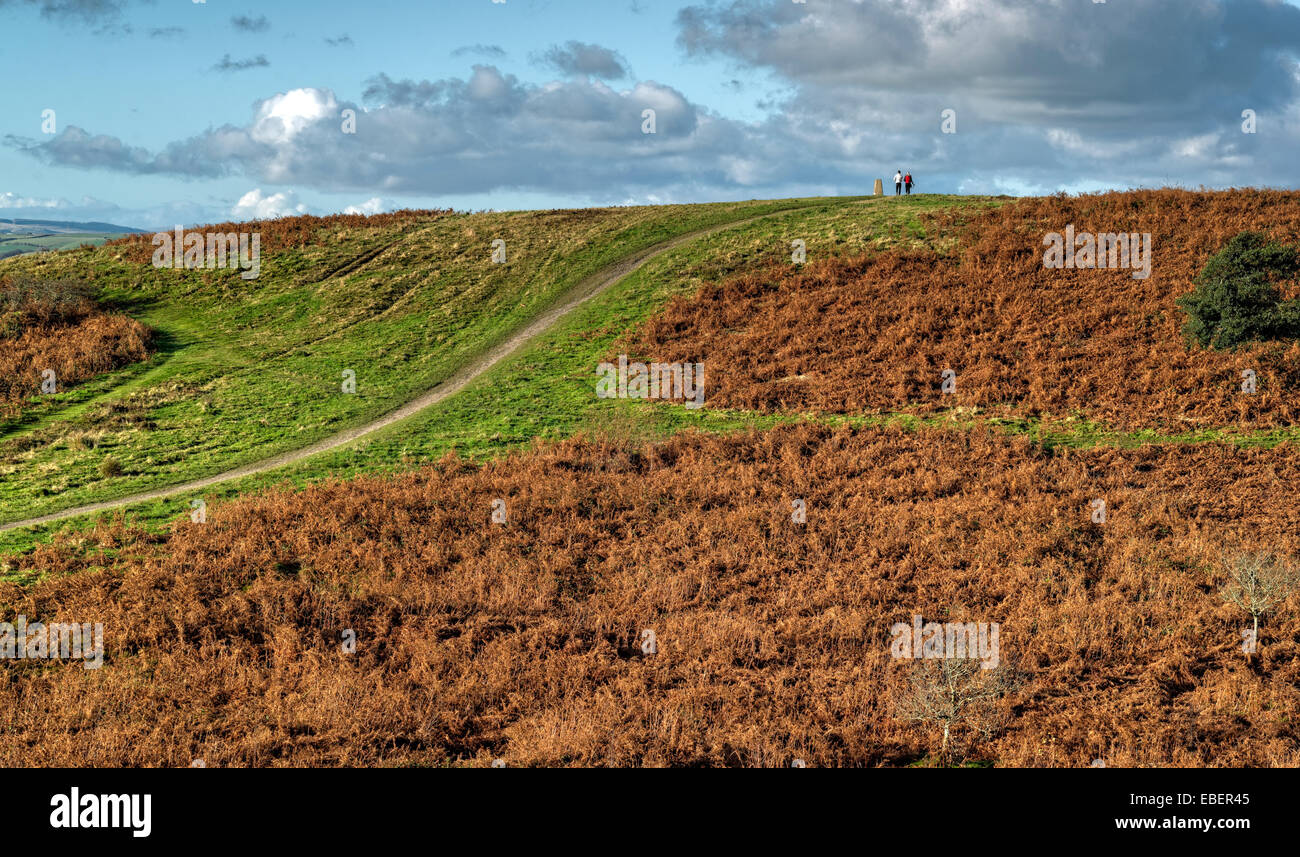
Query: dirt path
[(461, 378)]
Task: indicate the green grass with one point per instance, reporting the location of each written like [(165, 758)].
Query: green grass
[(249, 369)]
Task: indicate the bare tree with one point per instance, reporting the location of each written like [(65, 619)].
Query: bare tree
[(958, 695), (1258, 582)]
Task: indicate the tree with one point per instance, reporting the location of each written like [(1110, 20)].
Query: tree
[(1235, 299), (958, 695), (1258, 582)]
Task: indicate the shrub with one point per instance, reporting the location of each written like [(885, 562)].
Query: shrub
[(82, 441), (958, 694), (1236, 301), (110, 467), (27, 301)]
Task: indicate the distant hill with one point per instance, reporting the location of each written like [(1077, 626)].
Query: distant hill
[(20, 235), (66, 226)]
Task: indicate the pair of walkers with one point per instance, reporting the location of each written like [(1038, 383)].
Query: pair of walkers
[(900, 180)]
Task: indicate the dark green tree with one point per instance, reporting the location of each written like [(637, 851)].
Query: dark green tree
[(1236, 299)]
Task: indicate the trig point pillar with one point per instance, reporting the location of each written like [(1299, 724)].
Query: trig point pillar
[(880, 187)]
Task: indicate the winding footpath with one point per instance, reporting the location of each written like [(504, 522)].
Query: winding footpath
[(461, 378)]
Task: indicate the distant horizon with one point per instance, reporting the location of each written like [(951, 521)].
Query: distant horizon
[(539, 104), (192, 225)]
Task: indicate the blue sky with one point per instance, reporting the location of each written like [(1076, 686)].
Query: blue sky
[(538, 103)]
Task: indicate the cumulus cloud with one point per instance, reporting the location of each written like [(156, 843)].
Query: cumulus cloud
[(1054, 88), (200, 157), (282, 117), (1100, 64), (453, 136), (1103, 66), (1051, 95), (579, 58), (256, 205), (374, 205)]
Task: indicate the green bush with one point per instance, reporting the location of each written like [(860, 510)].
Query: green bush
[(1235, 299)]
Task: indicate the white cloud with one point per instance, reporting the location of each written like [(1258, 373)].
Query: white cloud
[(1048, 95), (256, 205), (1198, 147), (13, 200), (374, 205), (283, 116), (1074, 144)]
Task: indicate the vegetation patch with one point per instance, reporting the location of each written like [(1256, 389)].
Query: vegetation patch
[(991, 331), (54, 335), (501, 611), (1237, 301)]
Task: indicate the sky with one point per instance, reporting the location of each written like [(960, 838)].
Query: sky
[(151, 113)]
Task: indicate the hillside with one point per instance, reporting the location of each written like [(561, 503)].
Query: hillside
[(250, 369), (521, 640), (874, 333), (475, 581)]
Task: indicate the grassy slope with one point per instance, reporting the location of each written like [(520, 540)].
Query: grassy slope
[(249, 369), (549, 390)]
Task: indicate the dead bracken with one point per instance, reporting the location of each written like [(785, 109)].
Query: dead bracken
[(227, 640)]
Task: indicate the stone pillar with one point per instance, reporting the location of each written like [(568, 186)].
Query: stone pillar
[(880, 187)]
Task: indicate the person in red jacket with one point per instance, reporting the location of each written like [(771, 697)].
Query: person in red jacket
[(907, 180)]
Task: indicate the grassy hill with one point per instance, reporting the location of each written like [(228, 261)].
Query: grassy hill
[(245, 370), (499, 555)]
